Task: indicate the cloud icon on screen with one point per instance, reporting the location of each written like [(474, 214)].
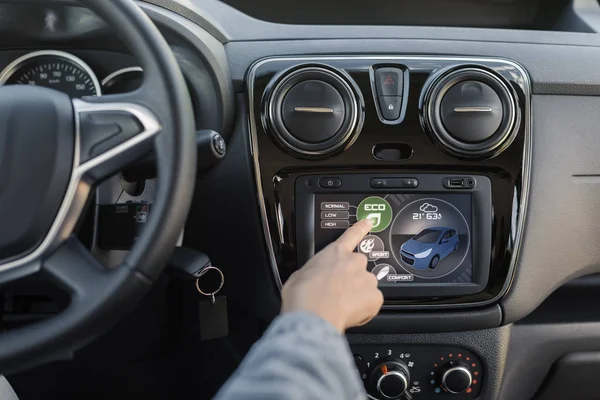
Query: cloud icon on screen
[(428, 208)]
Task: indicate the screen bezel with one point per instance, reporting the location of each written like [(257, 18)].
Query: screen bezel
[(429, 184)]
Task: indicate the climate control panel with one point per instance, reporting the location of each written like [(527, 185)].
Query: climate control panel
[(419, 372)]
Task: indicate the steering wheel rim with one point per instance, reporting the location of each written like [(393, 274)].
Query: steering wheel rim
[(162, 113)]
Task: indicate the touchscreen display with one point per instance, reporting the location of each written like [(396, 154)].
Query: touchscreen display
[(416, 238)]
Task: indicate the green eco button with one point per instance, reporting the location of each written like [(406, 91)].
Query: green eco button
[(376, 209)]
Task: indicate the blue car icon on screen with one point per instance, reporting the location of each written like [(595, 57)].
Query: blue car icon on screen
[(427, 248)]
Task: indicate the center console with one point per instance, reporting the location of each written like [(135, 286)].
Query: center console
[(434, 150)]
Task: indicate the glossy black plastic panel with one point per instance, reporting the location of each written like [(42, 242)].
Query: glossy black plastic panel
[(277, 170)]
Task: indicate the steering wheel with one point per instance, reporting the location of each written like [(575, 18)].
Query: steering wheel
[(53, 151)]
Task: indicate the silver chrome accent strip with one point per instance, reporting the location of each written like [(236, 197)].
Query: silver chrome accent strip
[(147, 119), (120, 72), (472, 109), (525, 180), (323, 110), (457, 368), (79, 188), (19, 62)]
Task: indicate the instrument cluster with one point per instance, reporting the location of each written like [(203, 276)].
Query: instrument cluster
[(68, 73)]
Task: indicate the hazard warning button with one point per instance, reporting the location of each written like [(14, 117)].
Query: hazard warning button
[(389, 81)]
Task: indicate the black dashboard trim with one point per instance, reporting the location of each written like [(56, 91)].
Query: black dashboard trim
[(211, 50), (434, 321), (191, 15), (521, 217), (242, 27)]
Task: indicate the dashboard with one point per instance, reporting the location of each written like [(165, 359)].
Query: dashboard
[(473, 151)]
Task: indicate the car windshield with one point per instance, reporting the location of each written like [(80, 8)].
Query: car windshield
[(427, 236)]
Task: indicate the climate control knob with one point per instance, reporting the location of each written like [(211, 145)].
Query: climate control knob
[(456, 378), (389, 380)]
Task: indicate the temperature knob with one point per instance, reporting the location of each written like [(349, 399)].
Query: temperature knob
[(456, 378), (389, 379)]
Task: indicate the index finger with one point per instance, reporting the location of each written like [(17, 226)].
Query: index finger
[(352, 237)]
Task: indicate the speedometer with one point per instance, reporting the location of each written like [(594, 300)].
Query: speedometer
[(55, 70)]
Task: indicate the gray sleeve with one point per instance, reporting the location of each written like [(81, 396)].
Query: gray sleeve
[(300, 357), (6, 391)]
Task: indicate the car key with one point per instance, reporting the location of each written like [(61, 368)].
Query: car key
[(213, 311)]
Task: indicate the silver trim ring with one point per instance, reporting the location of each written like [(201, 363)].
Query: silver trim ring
[(17, 64), (457, 368), (525, 179), (120, 72), (204, 271), (395, 373), (79, 189), (440, 85), (355, 125)]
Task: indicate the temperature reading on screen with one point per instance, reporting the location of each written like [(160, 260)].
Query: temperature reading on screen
[(428, 211), (429, 216)]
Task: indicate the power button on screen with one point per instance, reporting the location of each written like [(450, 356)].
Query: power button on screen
[(330, 183)]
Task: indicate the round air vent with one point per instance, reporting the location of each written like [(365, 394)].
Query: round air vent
[(471, 113), (313, 111)]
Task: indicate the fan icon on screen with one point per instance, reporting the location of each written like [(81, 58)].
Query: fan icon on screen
[(428, 208), (375, 219)]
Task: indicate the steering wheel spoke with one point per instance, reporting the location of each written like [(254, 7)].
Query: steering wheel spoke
[(90, 281), (111, 134), (89, 274)]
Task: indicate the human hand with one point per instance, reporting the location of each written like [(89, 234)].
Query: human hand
[(335, 284)]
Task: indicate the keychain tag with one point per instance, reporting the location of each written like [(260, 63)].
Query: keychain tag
[(212, 311)]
